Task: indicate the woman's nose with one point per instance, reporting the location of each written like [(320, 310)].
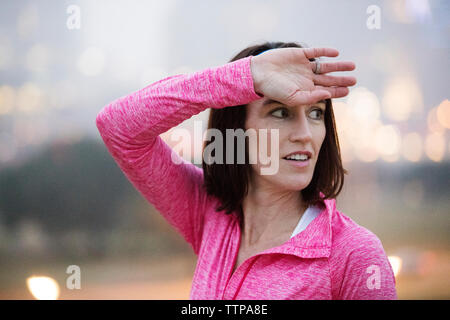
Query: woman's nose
[(300, 130)]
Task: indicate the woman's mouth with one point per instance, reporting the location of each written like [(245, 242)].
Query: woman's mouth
[(298, 159)]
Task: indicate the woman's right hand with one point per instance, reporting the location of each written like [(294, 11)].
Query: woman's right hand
[(286, 75)]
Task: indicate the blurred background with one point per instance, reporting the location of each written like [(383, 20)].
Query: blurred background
[(64, 201)]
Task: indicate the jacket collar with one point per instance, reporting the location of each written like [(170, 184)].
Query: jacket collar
[(315, 240)]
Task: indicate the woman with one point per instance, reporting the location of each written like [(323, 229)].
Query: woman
[(257, 236)]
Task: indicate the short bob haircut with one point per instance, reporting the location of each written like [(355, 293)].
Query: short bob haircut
[(229, 182)]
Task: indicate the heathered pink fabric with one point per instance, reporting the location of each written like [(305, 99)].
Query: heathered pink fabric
[(333, 258)]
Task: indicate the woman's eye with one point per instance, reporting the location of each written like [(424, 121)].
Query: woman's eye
[(319, 113), (280, 113)]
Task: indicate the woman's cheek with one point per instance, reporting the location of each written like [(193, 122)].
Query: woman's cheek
[(319, 136)]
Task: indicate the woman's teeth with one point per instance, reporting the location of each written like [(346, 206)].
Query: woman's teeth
[(298, 157)]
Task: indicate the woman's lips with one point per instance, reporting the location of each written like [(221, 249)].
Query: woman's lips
[(297, 163)]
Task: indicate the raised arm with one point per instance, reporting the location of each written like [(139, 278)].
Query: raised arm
[(130, 127)]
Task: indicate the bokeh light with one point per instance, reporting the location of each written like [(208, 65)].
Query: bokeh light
[(29, 98), (396, 264), (412, 146), (443, 113), (427, 263), (359, 120), (387, 142), (434, 125), (391, 157), (435, 146), (361, 138), (364, 107), (409, 11), (366, 153), (402, 96), (340, 110), (43, 288), (7, 99)]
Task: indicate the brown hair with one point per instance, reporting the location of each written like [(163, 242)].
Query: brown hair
[(229, 182)]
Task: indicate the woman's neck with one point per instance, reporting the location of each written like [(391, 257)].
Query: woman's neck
[(269, 215)]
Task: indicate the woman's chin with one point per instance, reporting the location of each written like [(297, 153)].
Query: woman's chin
[(295, 184), (287, 180)]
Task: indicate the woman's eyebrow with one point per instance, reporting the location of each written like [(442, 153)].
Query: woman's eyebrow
[(270, 101)]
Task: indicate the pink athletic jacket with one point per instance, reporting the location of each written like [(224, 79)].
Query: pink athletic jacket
[(333, 258)]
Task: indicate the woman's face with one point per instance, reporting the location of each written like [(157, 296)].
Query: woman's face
[(300, 128)]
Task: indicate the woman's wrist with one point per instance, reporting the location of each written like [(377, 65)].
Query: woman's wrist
[(255, 66)]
